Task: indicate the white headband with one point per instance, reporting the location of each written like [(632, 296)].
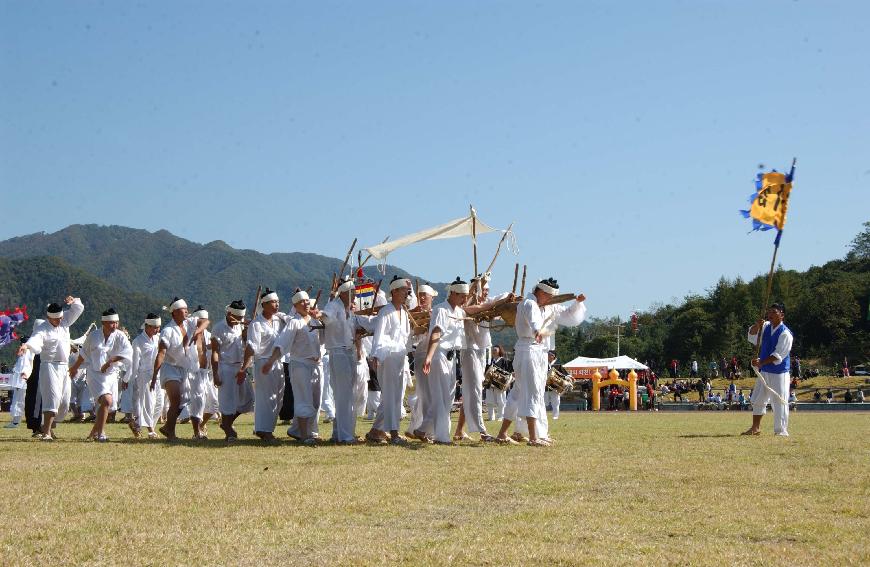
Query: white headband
[(398, 284), (54, 314), (153, 322), (201, 314), (545, 288), (110, 318), (346, 286), (459, 288), (178, 304), (300, 295), (236, 312), (269, 297), (427, 289)]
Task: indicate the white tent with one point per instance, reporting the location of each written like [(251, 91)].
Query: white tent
[(618, 362)]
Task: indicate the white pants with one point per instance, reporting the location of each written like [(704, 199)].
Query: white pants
[(234, 398), (125, 400), (343, 375), (198, 380), (422, 412), (472, 389), (305, 378), (391, 377), (146, 410), (17, 407), (521, 426), (373, 403), (495, 400), (555, 400), (327, 404), (53, 382), (81, 395), (442, 389), (360, 388), (530, 366), (212, 406), (268, 395), (779, 383)]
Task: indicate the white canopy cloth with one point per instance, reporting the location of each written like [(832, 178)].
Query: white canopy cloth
[(452, 229), (618, 362)]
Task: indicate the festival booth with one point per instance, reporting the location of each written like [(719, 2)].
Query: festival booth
[(586, 368)]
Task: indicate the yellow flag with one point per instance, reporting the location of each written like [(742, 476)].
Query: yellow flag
[(771, 203)]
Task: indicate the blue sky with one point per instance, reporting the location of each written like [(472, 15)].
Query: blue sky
[(620, 138)]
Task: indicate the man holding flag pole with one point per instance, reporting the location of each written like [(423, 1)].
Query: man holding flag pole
[(772, 338)]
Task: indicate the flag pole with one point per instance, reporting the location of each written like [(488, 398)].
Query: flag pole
[(767, 298), (772, 266)]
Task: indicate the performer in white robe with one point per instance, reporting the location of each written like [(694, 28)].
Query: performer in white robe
[(197, 344), (473, 359), (105, 351), (145, 347), (171, 366), (390, 345), (341, 327), (535, 325), (301, 339), (235, 391), (268, 386), (20, 373), (420, 340), (446, 339), (774, 366), (51, 341)]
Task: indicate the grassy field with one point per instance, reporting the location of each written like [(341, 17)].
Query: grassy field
[(644, 488)]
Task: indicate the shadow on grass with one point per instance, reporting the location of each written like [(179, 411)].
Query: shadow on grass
[(707, 436)]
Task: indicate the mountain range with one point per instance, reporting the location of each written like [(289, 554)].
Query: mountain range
[(137, 271)]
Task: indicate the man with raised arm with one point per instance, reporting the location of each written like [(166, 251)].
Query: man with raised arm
[(51, 341), (535, 325)]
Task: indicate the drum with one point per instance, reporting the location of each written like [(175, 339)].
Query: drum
[(497, 378), (559, 381)]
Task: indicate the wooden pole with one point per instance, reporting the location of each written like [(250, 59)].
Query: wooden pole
[(523, 286), (346, 259), (474, 238), (516, 274), (256, 301), (498, 248)]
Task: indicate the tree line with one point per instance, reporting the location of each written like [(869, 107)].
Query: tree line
[(826, 309)]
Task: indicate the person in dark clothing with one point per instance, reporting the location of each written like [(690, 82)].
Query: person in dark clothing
[(32, 402), (286, 413)]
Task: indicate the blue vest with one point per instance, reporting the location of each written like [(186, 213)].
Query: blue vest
[(768, 345)]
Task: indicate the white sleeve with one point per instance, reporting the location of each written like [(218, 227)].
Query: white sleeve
[(380, 341), (532, 315), (754, 338), (71, 315), (35, 343), (571, 316), (783, 346), (285, 338), (134, 366)]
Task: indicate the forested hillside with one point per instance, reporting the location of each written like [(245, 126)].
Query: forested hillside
[(164, 265)]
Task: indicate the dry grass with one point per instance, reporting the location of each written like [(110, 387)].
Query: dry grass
[(645, 488)]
